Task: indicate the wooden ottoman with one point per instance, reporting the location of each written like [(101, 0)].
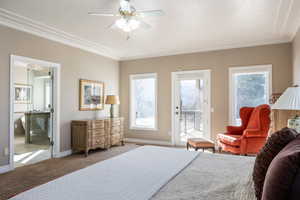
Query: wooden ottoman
[(200, 143)]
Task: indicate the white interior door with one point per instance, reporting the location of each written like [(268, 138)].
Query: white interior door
[(49, 104), (191, 105)]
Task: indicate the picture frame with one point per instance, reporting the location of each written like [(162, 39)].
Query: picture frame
[(22, 93), (91, 95)]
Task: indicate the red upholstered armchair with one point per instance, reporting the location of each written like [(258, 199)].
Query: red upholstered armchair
[(251, 135)]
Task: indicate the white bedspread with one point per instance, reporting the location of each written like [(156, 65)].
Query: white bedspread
[(135, 175), (211, 177)]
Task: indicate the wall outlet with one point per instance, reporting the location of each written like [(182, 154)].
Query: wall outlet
[(6, 151)]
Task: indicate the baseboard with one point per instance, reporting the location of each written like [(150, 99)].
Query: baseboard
[(143, 141), (4, 169), (63, 154)]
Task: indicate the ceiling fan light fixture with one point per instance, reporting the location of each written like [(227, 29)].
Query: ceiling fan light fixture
[(127, 25)]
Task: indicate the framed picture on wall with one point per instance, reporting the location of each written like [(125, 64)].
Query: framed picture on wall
[(23, 93), (91, 95)]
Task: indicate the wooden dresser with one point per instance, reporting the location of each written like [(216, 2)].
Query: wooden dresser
[(93, 134)]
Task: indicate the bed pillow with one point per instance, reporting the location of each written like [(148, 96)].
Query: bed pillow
[(282, 173), (275, 143)]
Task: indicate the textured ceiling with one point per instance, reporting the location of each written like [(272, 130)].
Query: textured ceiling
[(188, 26)]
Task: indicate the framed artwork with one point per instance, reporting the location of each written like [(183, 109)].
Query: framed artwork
[(91, 95), (23, 93)]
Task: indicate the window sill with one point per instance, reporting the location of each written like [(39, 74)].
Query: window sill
[(143, 129)]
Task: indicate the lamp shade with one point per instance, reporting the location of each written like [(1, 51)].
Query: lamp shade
[(289, 100), (112, 99)]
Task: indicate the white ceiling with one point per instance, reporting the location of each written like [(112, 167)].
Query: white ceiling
[(188, 26)]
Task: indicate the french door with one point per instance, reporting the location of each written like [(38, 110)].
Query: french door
[(191, 105)]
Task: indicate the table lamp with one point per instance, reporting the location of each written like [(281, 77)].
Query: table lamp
[(290, 100), (112, 100)]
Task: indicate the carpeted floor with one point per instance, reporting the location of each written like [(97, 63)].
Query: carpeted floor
[(27, 177)]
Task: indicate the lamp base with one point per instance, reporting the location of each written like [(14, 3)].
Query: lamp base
[(294, 123), (111, 111)]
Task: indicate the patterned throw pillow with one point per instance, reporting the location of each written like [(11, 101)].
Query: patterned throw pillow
[(273, 146)]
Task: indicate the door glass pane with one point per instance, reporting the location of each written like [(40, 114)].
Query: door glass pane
[(33, 143), (250, 90), (191, 109), (144, 102)]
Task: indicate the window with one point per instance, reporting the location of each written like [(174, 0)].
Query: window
[(249, 86), (143, 93)]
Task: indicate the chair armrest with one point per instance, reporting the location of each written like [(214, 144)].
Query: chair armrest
[(234, 130), (250, 133)]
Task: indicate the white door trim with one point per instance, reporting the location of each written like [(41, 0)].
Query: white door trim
[(173, 79), (56, 104)]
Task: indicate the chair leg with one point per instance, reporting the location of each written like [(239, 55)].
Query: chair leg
[(187, 146), (220, 149)]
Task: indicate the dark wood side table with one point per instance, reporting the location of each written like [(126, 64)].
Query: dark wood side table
[(200, 143)]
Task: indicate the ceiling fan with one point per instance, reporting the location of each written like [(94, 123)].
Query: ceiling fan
[(130, 18)]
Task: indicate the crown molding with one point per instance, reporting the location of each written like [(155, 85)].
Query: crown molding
[(13, 20), (284, 20), (201, 50), (287, 21)]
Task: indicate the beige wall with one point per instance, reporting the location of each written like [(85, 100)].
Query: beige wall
[(280, 56), (75, 64), (296, 59)]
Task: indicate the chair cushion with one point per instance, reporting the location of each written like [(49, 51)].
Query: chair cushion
[(282, 172), (233, 140), (275, 143)]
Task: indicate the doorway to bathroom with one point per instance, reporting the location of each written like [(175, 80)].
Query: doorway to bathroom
[(34, 101)]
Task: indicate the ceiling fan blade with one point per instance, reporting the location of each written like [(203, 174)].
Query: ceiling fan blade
[(113, 26), (144, 25), (146, 13), (103, 14)]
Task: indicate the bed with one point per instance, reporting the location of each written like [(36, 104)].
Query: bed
[(150, 172)]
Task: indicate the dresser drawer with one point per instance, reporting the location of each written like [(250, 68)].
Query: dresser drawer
[(116, 129), (98, 141), (115, 122), (115, 139), (97, 132), (97, 124)]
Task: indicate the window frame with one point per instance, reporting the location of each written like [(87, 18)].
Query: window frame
[(245, 70), (133, 77)]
